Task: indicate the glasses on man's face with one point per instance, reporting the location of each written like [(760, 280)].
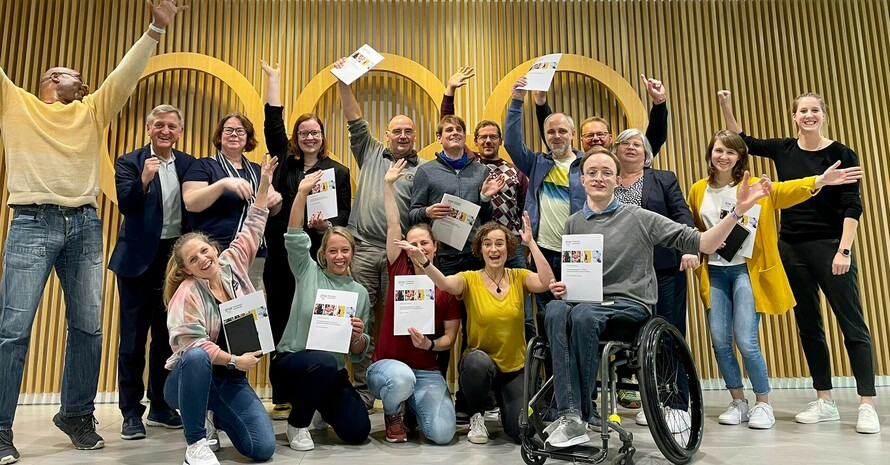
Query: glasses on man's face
[(236, 131), (606, 174), (595, 135), (402, 132), (308, 134), (635, 145), (491, 137)]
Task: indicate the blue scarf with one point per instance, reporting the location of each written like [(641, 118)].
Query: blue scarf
[(458, 164)]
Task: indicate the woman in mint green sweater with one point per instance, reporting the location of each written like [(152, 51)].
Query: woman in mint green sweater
[(315, 380)]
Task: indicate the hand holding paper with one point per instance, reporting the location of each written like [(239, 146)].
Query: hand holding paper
[(357, 64)]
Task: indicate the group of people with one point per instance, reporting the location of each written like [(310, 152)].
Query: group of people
[(201, 232)]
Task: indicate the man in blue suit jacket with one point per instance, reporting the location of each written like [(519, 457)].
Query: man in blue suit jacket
[(149, 196)]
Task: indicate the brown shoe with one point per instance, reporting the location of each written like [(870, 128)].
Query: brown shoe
[(395, 428)]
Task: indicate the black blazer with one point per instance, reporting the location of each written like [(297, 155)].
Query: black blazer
[(662, 195), (140, 233)]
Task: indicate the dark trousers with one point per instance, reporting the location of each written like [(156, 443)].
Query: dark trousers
[(310, 381), (480, 378), (554, 258), (280, 287), (142, 308), (808, 266)]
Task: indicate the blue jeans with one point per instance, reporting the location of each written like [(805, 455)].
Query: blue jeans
[(192, 388), (574, 334), (732, 314), (43, 237), (394, 382)]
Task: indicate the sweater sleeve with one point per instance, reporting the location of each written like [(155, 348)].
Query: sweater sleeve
[(363, 312), (769, 148), (657, 132), (668, 233), (361, 142), (790, 193), (447, 106), (246, 243), (186, 321), (541, 114), (420, 198), (297, 244), (344, 195), (276, 133), (523, 157), (851, 199), (111, 96)]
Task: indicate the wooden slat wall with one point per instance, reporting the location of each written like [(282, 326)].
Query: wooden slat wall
[(765, 51)]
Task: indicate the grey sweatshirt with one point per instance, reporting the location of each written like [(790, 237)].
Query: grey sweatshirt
[(367, 221), (629, 235)]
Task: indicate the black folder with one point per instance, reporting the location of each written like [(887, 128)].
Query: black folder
[(733, 242)]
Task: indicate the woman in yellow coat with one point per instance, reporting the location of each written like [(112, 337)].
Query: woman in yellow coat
[(753, 281)]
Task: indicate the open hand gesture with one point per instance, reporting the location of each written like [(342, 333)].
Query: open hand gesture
[(460, 78), (414, 253), (526, 232), (492, 185), (395, 171), (749, 194), (309, 182), (271, 73), (834, 176)]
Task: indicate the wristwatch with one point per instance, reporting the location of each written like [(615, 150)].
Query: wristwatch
[(844, 252), (231, 365)]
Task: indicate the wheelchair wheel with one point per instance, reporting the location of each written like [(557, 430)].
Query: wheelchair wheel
[(670, 390)]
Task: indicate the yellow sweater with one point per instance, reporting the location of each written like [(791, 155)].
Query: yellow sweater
[(772, 293), (52, 150)]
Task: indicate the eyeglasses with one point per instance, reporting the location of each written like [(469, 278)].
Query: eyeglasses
[(595, 135), (237, 131), (627, 143), (493, 137), (400, 132), (592, 174), (307, 134)]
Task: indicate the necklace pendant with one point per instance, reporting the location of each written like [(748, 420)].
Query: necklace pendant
[(499, 289)]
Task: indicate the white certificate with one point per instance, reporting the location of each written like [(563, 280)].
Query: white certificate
[(541, 74), (750, 220), (358, 64), (414, 305), (323, 197), (455, 228), (246, 323), (331, 326), (582, 267)]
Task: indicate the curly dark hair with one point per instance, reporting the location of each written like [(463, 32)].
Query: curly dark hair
[(488, 228)]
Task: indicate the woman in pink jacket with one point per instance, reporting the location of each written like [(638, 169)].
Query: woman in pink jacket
[(204, 376)]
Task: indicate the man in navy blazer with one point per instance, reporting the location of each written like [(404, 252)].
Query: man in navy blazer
[(149, 196)]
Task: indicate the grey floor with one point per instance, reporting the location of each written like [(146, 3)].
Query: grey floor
[(788, 443)]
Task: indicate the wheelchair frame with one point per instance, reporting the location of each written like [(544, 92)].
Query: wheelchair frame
[(643, 357)]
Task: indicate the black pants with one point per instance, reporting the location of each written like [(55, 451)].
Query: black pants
[(808, 266), (142, 308), (280, 288), (310, 381), (480, 377)]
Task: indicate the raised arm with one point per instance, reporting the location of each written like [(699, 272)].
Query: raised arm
[(540, 281), (273, 84), (523, 157), (391, 209), (457, 80), (298, 209), (453, 284), (725, 99), (657, 130), (542, 111), (347, 99)]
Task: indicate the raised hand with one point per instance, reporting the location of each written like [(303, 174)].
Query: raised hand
[(340, 62), (519, 94), (725, 98), (459, 79), (164, 12), (654, 88), (492, 185), (395, 171), (526, 232), (414, 253), (834, 176), (309, 182), (748, 194), (267, 171), (271, 73), (540, 97)]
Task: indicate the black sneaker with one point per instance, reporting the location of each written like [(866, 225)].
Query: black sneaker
[(81, 430), (166, 418), (132, 428), (462, 419), (8, 452)]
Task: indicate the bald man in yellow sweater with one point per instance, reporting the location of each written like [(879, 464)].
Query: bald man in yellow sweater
[(51, 145)]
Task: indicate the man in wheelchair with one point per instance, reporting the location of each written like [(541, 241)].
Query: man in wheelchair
[(629, 283)]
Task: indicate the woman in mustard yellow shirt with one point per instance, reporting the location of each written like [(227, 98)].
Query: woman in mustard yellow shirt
[(753, 281), (494, 299)]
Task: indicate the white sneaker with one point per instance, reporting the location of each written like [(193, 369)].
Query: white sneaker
[(735, 414), (211, 433), (478, 432), (318, 423), (868, 422), (762, 416), (199, 453), (817, 411), (569, 432), (299, 438), (641, 418), (678, 421)]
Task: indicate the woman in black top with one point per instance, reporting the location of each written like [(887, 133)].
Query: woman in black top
[(815, 243)]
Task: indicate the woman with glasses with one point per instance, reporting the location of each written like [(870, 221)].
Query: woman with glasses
[(300, 155), (657, 191), (218, 190)]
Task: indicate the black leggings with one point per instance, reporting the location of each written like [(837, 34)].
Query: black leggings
[(808, 266)]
